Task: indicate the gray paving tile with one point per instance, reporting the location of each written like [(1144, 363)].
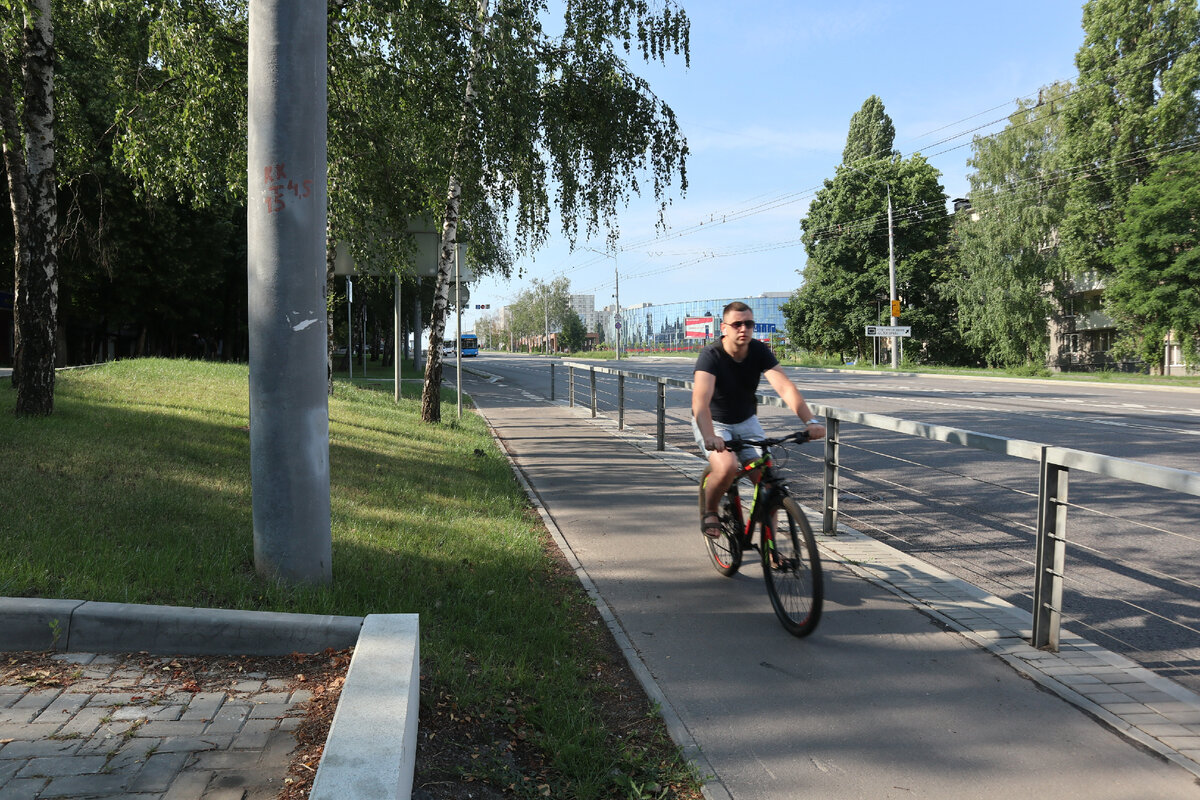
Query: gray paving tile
[(63, 706), (25, 789), (159, 771), (227, 759), (54, 767), (10, 768), (131, 756), (192, 744), (38, 748), (188, 785), (35, 700), (254, 735), (229, 719), (167, 728), (203, 706), (268, 711), (85, 785)]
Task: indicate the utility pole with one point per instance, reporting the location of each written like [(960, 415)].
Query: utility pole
[(287, 315), (616, 295), (892, 279)]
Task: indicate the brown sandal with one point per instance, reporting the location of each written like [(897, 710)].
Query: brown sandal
[(710, 525)]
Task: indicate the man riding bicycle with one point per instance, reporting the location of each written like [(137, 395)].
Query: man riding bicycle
[(724, 406)]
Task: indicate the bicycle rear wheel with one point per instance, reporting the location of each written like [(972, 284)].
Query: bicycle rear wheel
[(792, 568), (725, 551)]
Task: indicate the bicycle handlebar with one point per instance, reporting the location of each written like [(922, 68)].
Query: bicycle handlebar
[(800, 437)]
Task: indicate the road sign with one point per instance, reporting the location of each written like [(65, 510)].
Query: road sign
[(895, 308), (889, 330)]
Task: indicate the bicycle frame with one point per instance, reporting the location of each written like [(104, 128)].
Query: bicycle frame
[(767, 483)]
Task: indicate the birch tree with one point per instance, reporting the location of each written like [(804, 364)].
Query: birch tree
[(27, 116), (565, 111)]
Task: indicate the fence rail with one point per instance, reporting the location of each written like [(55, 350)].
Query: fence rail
[(1054, 466)]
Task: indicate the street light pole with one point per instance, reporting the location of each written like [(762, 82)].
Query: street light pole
[(892, 279)]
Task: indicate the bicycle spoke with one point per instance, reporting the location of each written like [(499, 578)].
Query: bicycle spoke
[(792, 568)]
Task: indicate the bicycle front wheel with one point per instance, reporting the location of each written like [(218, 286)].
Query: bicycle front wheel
[(726, 550), (792, 567)]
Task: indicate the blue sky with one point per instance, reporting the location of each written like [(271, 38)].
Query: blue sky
[(765, 107)]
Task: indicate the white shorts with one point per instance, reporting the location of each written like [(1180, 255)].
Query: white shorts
[(749, 428)]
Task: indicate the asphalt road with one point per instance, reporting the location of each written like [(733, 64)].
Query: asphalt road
[(1133, 571)]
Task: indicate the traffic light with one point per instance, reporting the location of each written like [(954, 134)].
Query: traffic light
[(482, 305)]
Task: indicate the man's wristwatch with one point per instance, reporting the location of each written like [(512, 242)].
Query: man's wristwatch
[(813, 421)]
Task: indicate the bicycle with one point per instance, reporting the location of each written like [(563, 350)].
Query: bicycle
[(790, 561)]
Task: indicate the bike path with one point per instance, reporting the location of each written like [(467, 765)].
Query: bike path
[(882, 701)]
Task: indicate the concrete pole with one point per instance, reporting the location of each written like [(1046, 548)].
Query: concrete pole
[(458, 328), (396, 349), (289, 408), (418, 327)]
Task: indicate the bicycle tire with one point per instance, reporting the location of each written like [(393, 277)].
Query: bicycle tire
[(726, 550), (792, 568)]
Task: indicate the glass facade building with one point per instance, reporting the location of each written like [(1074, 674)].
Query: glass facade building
[(689, 323)]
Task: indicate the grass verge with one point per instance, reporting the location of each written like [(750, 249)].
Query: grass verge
[(137, 490)]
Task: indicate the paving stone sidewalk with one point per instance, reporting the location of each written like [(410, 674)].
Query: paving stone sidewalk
[(124, 728)]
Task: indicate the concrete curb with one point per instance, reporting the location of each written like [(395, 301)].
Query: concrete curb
[(93, 627), (371, 750)]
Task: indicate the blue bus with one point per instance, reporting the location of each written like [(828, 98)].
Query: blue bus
[(469, 344)]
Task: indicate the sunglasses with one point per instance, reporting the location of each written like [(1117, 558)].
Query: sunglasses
[(741, 323)]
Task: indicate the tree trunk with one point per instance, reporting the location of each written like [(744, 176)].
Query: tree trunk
[(14, 162), (36, 302), (431, 396)]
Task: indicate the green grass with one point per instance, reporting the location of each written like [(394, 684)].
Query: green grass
[(137, 490)]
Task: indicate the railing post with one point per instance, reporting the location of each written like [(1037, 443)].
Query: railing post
[(1051, 554), (571, 387), (621, 402), (662, 415), (551, 381), (592, 375), (829, 519)]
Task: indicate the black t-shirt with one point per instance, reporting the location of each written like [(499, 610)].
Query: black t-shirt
[(736, 381)]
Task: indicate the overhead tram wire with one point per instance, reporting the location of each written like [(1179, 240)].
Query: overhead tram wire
[(874, 221), (778, 201), (721, 218)]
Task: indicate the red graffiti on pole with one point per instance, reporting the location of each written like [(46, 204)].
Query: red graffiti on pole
[(276, 183)]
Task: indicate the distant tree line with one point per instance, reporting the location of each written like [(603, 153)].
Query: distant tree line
[(1094, 184)]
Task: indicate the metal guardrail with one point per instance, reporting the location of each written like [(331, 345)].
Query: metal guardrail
[(1054, 466)]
